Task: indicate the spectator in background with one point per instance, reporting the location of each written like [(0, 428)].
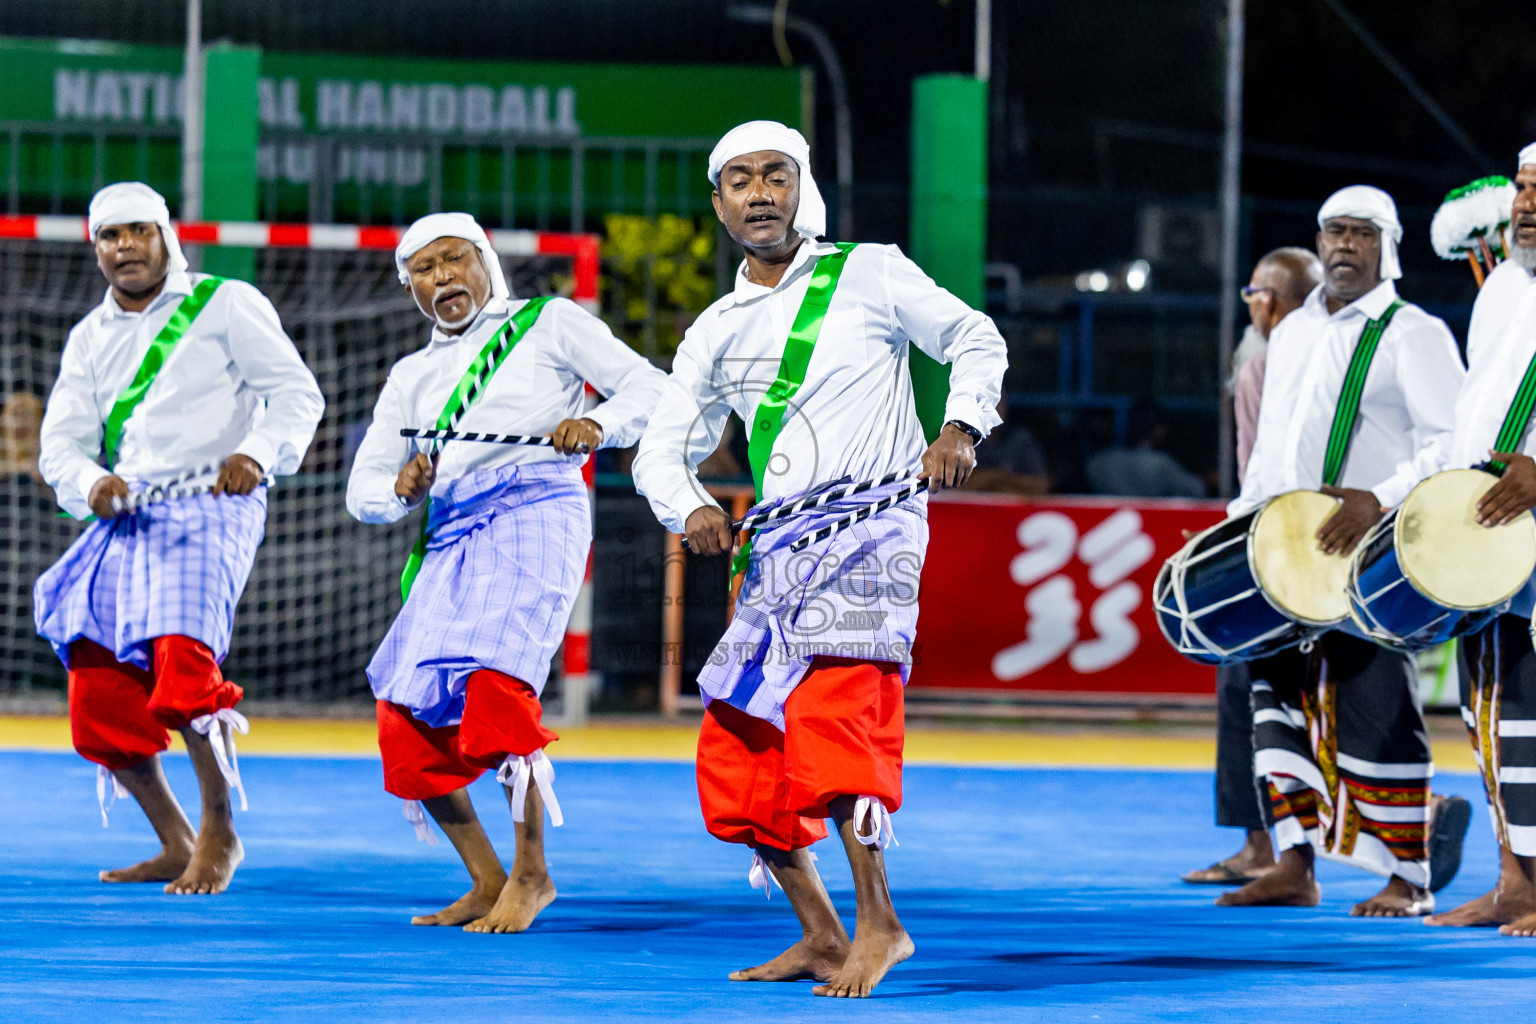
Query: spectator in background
[(1010, 462), (21, 423), (1281, 282), (1143, 470)]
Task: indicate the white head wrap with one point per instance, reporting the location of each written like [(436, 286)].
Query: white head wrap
[(1374, 205), (133, 202), (451, 225), (1527, 156), (756, 136)]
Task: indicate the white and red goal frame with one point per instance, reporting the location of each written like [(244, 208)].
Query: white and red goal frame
[(583, 249)]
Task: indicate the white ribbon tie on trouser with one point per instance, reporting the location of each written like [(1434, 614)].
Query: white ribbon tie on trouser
[(104, 780), (416, 814), (758, 876), (882, 832), (222, 741), (515, 772)]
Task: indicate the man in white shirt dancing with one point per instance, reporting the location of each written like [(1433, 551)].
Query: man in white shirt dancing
[(1498, 665), (1340, 740), (503, 547), (805, 720), (172, 372)]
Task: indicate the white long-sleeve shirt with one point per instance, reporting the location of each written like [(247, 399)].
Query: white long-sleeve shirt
[(537, 385), (1407, 410), (233, 385), (854, 415), (1499, 348)]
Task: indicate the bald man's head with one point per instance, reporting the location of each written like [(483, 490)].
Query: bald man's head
[(1281, 282)]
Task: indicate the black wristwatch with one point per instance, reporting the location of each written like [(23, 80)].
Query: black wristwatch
[(967, 428)]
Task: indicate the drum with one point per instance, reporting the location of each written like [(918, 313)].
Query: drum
[(1253, 585), (1428, 572)]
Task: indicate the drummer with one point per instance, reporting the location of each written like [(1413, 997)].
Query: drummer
[(1498, 664), (1340, 742)]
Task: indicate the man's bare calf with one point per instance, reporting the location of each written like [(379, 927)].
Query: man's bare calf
[(879, 940), (455, 815), (217, 851), (1512, 898), (528, 890), (823, 946), (147, 783)]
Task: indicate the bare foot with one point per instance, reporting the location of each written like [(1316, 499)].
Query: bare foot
[(817, 957), (1524, 928), (521, 900), (1397, 899), (214, 859), (1281, 887), (874, 952), (472, 906), (165, 866), (1498, 906)]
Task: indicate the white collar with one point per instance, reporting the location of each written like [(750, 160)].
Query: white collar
[(1370, 305), (177, 283), (746, 291), (494, 308)]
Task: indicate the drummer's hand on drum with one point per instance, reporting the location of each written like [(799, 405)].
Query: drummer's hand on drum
[(1513, 494), (1359, 512)]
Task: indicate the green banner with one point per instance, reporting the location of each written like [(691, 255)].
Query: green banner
[(387, 124)]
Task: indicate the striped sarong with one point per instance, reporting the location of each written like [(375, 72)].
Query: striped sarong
[(854, 595), (174, 568), (503, 567), (1342, 750), (1498, 704)]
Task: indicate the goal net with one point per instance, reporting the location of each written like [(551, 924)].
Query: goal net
[(324, 588)]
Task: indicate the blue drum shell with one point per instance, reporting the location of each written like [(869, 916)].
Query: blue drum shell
[(1402, 611), (1220, 578)]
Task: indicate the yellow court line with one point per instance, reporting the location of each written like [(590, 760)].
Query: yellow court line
[(659, 742)]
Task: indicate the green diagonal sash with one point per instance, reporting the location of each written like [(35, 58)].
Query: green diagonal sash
[(471, 386), (768, 418), (154, 360), (1518, 418), (1348, 411)]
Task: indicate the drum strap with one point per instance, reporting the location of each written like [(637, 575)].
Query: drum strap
[(1518, 418), (1347, 413)]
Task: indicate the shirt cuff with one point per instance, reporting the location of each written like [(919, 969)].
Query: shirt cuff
[(967, 410), (259, 450), (1391, 492), (600, 415), (88, 478)]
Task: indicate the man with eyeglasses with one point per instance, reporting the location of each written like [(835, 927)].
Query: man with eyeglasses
[(1280, 283)]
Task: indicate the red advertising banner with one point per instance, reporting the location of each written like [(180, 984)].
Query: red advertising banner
[(1053, 596)]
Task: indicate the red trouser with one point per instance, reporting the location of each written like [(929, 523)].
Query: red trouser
[(119, 713), (843, 734), (501, 717)]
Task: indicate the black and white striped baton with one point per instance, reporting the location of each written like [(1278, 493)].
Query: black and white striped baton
[(537, 440), (912, 487), (169, 490), (812, 500)]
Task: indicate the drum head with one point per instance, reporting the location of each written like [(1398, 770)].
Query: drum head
[(1448, 557), (1292, 570)]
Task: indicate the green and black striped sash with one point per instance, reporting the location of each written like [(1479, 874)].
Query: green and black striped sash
[(1348, 412), (1518, 418)]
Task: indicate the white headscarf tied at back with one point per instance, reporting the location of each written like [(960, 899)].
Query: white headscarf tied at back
[(1527, 156), (451, 225), (756, 136), (1374, 205), (133, 202)]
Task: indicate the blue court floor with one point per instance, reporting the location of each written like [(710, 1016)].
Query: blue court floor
[(1032, 894)]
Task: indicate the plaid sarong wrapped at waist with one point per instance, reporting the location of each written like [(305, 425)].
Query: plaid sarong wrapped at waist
[(174, 568), (853, 595), (504, 564)]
